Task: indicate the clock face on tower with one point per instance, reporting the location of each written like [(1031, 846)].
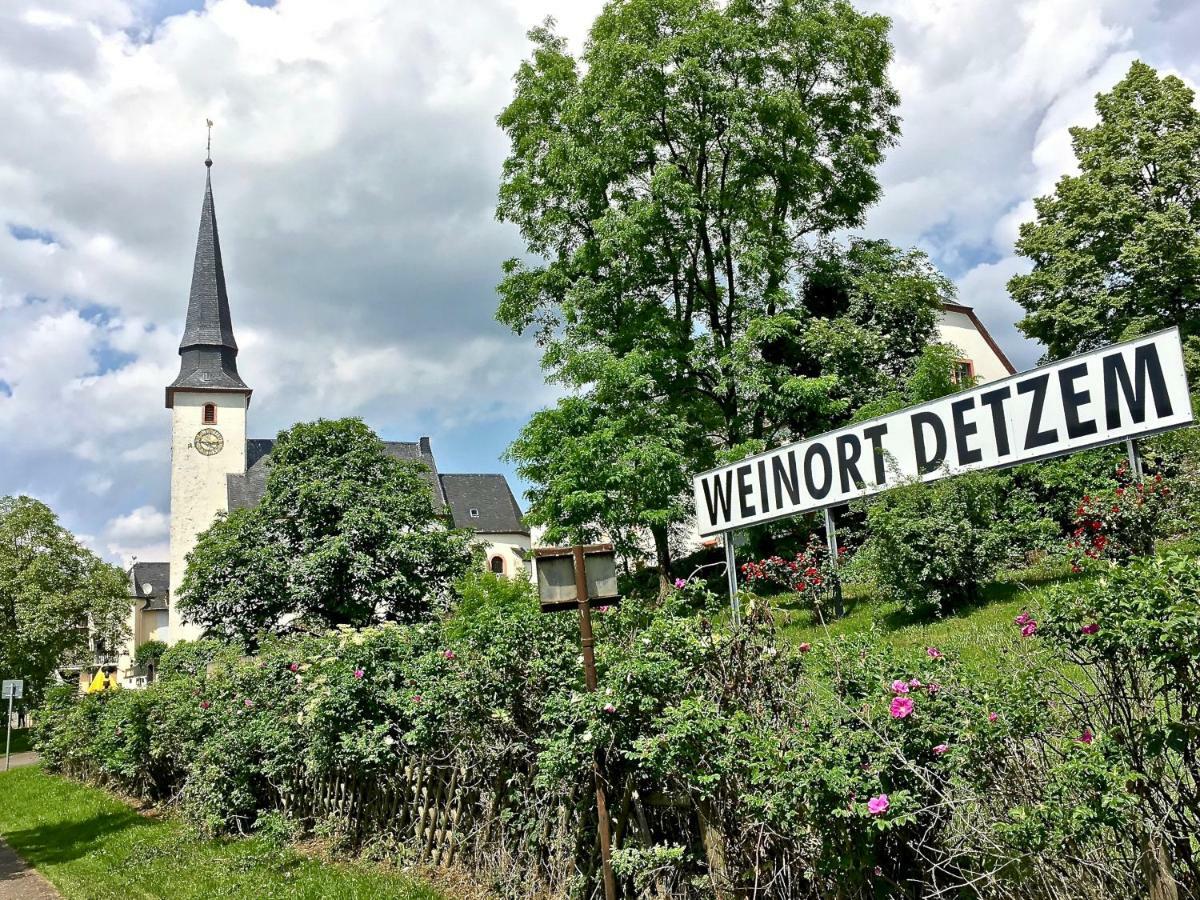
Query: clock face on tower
[(208, 441)]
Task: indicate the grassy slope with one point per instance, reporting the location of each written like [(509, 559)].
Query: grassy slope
[(980, 633), (93, 846)]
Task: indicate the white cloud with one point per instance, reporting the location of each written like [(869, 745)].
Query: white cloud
[(357, 160)]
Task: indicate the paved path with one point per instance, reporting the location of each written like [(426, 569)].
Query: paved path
[(19, 882), (18, 759)]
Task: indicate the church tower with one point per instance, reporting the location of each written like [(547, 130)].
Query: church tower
[(208, 402)]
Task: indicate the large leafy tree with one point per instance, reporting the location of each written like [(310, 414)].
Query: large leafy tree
[(55, 594), (344, 535), (676, 192), (1116, 248)]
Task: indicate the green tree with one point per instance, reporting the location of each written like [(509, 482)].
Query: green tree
[(344, 534), (676, 193), (54, 593), (1116, 248)]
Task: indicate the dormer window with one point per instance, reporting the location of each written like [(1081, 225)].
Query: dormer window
[(210, 414), (473, 513)]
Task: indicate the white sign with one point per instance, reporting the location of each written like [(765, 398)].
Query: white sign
[(12, 689), (1128, 390)]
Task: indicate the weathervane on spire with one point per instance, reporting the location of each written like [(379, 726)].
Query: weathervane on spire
[(208, 154)]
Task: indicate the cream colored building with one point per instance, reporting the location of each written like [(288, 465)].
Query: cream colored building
[(980, 356), (216, 467)]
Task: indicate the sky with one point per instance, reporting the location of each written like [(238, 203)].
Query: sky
[(356, 166)]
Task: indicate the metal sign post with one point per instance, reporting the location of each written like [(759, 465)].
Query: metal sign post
[(832, 544), (1135, 459), (735, 605), (12, 688), (594, 566)]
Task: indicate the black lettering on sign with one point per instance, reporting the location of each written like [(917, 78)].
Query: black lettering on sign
[(1033, 436), (718, 497), (817, 493), (1073, 399), (875, 434), (926, 461), (849, 449), (745, 489), (762, 486), (995, 399), (963, 430), (1146, 365), (788, 479)]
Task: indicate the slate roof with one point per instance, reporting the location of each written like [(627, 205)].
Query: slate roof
[(244, 491), (156, 575), (208, 351), (490, 497)]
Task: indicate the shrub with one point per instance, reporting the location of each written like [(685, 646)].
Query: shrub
[(149, 654), (933, 545)]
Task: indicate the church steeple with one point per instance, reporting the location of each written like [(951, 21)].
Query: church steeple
[(208, 352)]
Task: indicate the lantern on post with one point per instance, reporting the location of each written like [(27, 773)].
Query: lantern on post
[(581, 577)]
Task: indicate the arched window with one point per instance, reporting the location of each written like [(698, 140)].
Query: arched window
[(210, 414), (498, 565)]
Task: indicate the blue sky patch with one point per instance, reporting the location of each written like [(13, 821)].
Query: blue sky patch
[(25, 233)]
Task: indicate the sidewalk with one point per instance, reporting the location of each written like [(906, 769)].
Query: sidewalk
[(17, 880), (18, 759)]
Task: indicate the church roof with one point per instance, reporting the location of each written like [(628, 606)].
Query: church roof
[(151, 581), (244, 491), (208, 350), (483, 503), (488, 496)]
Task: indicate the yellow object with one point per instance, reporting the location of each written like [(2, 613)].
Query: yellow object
[(113, 684), (98, 683)]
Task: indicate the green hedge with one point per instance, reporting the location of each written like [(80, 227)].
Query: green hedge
[(840, 769)]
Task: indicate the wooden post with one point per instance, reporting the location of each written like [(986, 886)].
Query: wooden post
[(832, 544), (588, 644), (735, 605)]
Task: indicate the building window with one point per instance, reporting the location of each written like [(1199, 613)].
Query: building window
[(473, 513), (498, 565), (210, 414), (964, 372)]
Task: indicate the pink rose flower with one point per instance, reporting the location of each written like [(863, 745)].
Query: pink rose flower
[(914, 683), (294, 667), (899, 686), (1029, 629), (680, 583), (933, 688), (877, 806), (940, 749), (1087, 737), (449, 654), (416, 698), (805, 647), (1023, 619), (358, 674), (248, 703), (901, 707), (933, 652), (609, 708), (204, 704), (992, 717), (1090, 628)]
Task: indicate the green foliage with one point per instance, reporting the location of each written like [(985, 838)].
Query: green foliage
[(1116, 248), (148, 654), (677, 186), (191, 659), (51, 589), (1134, 633), (780, 748), (344, 534), (933, 544)]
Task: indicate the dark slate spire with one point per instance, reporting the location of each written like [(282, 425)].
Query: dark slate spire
[(208, 352)]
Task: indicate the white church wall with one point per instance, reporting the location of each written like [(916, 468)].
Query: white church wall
[(512, 548), (198, 482)]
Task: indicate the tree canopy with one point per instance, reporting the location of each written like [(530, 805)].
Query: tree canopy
[(677, 192), (54, 595), (344, 535), (1116, 248)]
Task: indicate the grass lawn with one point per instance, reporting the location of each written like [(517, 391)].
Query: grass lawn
[(979, 633), (92, 846)]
